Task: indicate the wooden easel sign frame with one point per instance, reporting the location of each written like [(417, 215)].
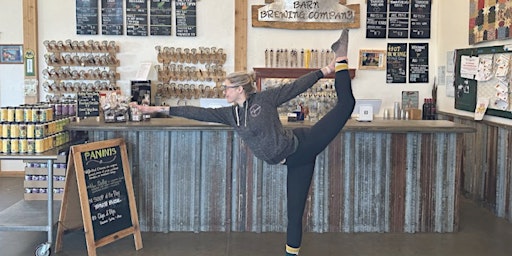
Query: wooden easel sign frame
[(98, 179)]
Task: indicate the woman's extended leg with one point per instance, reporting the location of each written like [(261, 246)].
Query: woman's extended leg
[(301, 164)]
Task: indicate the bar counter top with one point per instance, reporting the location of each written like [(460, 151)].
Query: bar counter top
[(178, 123)]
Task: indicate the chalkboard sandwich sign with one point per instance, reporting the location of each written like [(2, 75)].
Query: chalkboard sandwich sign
[(98, 182)]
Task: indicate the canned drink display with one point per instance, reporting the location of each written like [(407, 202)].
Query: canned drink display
[(15, 149), (52, 127), (42, 115), (65, 109), (31, 146), (10, 114), (27, 114), (72, 109), (46, 114), (6, 130), (23, 146), (6, 145), (31, 130), (3, 114), (36, 112), (38, 148), (15, 130), (58, 109), (23, 130), (18, 114), (39, 131)]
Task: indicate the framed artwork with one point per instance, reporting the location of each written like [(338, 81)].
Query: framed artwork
[(11, 54), (372, 59), (489, 20)]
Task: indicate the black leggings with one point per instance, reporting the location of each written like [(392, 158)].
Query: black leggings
[(313, 141)]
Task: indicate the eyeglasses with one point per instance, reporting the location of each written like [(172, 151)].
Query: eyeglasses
[(225, 87)]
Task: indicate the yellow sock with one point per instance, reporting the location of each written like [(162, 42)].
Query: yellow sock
[(341, 66), (291, 250)]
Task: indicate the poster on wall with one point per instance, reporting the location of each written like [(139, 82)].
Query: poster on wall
[(489, 20), (137, 17), (398, 22), (186, 18), (160, 18), (112, 17), (376, 18), (420, 18), (86, 12), (418, 63), (396, 63)]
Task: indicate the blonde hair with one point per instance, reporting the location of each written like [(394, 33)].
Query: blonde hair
[(243, 79)]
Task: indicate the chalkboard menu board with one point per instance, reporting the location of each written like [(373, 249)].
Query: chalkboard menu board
[(418, 63), (161, 18), (112, 17), (396, 61), (88, 104), (98, 177), (398, 19), (106, 190), (376, 18), (186, 18), (136, 17), (420, 18), (86, 17)]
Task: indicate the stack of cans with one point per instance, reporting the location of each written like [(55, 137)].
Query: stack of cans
[(30, 129)]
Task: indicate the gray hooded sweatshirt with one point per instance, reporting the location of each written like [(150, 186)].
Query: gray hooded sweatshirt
[(257, 121)]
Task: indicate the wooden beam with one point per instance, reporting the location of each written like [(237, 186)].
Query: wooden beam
[(30, 49), (241, 35)]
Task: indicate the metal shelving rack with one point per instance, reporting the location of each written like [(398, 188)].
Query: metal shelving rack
[(28, 215)]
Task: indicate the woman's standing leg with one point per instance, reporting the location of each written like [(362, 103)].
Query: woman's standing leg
[(298, 182)]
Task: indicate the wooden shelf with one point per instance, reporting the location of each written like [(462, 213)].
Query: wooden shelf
[(262, 73)]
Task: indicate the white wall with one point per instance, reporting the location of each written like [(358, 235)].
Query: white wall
[(11, 75), (215, 28)]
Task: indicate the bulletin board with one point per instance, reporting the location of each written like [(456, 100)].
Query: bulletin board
[(491, 79)]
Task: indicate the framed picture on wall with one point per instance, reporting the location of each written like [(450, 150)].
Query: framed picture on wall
[(372, 59), (11, 54)]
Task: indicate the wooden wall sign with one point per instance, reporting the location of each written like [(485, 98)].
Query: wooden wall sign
[(322, 14), (98, 181)]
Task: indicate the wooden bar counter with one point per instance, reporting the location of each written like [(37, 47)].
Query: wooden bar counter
[(379, 176)]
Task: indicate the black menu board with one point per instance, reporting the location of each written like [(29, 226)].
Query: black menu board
[(396, 63), (137, 17), (376, 18), (161, 18), (186, 18), (106, 190), (88, 104), (398, 19), (420, 18), (418, 63), (112, 17), (86, 17)]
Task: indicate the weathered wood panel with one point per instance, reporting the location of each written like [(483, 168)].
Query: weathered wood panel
[(487, 164)]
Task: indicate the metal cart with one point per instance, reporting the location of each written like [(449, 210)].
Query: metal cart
[(29, 215)]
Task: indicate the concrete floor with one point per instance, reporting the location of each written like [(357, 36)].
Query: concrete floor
[(480, 234)]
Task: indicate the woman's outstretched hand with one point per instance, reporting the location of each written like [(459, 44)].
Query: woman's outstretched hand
[(149, 109)]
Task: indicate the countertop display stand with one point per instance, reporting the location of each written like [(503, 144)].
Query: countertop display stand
[(27, 215)]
